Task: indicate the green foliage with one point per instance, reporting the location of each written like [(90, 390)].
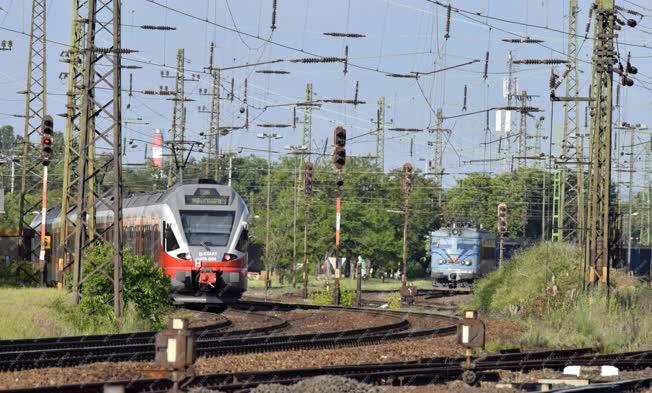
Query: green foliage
[(17, 273), (476, 197), (146, 292), (543, 285), (394, 301), (325, 297)]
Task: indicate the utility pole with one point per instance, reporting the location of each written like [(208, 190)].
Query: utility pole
[(380, 134), (521, 161), (538, 150), (214, 125), (407, 189), (307, 189), (597, 243), (72, 133), (295, 150), (568, 206), (101, 98), (339, 160), (307, 120), (176, 132), (35, 110), (438, 156), (630, 194), (648, 188), (269, 137)]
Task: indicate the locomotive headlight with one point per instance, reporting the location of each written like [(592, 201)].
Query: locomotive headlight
[(467, 262), (441, 261)]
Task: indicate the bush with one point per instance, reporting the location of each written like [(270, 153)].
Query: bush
[(145, 292), (325, 297), (18, 274), (394, 301)]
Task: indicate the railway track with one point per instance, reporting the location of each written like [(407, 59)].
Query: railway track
[(422, 372), (50, 353)]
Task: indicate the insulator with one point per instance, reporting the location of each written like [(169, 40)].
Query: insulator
[(526, 40), (631, 23), (448, 21), (627, 81), (271, 125), (553, 80), (242, 109), (402, 75), (631, 69), (245, 91), (357, 84), (272, 72), (273, 15), (328, 59), (294, 117), (341, 101), (405, 129), (153, 27), (486, 64), (346, 59), (123, 51), (464, 106), (131, 85), (232, 84), (347, 35), (541, 61)]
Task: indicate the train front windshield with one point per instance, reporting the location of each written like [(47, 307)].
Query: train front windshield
[(456, 246), (207, 228)]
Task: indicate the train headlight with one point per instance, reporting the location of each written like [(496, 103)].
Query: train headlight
[(467, 262), (441, 261)]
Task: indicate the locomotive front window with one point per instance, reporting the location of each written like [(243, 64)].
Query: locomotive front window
[(207, 228)]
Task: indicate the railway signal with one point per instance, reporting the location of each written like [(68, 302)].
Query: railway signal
[(502, 230), (46, 139), (339, 160), (307, 187)]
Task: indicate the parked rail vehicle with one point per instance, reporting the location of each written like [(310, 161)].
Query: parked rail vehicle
[(196, 232), (460, 255)]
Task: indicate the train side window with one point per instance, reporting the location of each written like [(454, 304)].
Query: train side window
[(243, 241), (171, 242)]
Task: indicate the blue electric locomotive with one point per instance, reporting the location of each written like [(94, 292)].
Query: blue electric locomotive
[(460, 255)]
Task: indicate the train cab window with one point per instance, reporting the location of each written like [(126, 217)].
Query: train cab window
[(243, 241), (171, 242), (207, 228)]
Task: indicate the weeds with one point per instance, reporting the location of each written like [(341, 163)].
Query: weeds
[(543, 286)]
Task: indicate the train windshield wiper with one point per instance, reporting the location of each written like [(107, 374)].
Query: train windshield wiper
[(206, 244)]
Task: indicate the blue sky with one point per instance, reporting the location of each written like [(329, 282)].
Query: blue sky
[(401, 36)]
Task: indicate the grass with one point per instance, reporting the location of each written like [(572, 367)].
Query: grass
[(29, 313), (48, 312), (542, 286), (374, 284)]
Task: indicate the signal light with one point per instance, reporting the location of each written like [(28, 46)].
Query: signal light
[(339, 157), (46, 139), (340, 137), (502, 219)]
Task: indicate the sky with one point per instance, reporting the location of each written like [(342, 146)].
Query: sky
[(401, 36)]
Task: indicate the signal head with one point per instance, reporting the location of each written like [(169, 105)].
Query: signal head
[(339, 157), (340, 136)]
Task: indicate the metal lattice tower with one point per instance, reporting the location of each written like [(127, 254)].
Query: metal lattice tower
[(521, 161), (538, 150), (567, 224), (71, 137), (438, 157), (101, 123), (214, 123), (646, 183), (597, 252), (380, 134), (307, 120), (178, 118), (35, 108)]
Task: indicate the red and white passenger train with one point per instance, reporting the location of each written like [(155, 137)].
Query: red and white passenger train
[(196, 232)]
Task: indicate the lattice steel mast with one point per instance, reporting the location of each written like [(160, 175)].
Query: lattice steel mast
[(178, 118), (307, 120), (569, 207), (35, 108), (598, 241), (380, 134), (214, 124), (101, 123), (71, 138)]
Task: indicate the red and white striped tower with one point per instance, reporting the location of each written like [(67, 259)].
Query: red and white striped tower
[(157, 149)]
